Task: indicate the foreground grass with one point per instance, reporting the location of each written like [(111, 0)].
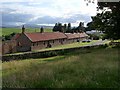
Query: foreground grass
[(97, 68), (8, 31)]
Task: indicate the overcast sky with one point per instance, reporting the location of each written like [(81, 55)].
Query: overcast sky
[(46, 12)]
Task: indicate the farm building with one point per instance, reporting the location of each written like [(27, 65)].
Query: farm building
[(37, 40), (75, 37)]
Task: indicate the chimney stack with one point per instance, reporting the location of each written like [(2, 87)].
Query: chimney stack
[(23, 29), (41, 30)]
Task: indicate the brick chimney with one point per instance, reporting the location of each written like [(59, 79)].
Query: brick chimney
[(23, 29), (41, 30)]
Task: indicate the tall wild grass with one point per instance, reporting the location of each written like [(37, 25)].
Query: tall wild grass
[(92, 68)]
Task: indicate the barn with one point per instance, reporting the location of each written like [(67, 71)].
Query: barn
[(75, 37)]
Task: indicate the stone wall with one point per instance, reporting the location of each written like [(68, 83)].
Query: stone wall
[(44, 54)]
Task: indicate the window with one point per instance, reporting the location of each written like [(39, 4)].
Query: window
[(33, 44), (17, 43), (59, 40), (37, 43), (53, 41), (48, 42), (44, 42)]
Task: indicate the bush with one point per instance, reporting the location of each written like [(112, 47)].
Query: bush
[(114, 44)]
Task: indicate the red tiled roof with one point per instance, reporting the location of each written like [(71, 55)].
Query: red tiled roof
[(83, 35), (34, 37), (71, 36), (76, 35)]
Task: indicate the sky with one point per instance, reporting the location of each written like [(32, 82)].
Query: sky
[(46, 12)]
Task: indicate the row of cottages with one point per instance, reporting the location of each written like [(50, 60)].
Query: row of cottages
[(34, 41), (76, 37), (37, 40)]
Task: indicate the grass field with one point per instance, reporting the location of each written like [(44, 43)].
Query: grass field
[(91, 68), (8, 31)]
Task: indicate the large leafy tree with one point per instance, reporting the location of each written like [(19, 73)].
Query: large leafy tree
[(108, 20), (111, 19), (90, 26), (57, 27)]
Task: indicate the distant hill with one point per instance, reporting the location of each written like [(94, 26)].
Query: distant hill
[(8, 26)]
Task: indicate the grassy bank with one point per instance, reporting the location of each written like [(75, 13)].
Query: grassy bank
[(93, 68)]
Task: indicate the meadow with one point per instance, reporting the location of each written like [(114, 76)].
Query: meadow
[(8, 31), (86, 68)]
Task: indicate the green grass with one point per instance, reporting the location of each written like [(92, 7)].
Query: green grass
[(117, 40), (8, 31), (93, 68)]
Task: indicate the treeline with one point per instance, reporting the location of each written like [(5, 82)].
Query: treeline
[(66, 28), (7, 37), (107, 21)]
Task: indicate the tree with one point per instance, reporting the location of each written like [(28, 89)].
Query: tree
[(90, 26), (81, 27), (108, 20), (60, 27), (112, 19), (8, 37), (55, 27), (89, 1), (65, 27), (69, 27), (74, 29), (41, 30)]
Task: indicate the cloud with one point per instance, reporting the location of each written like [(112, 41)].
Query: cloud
[(46, 11), (76, 19), (15, 19), (58, 7), (46, 19)]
